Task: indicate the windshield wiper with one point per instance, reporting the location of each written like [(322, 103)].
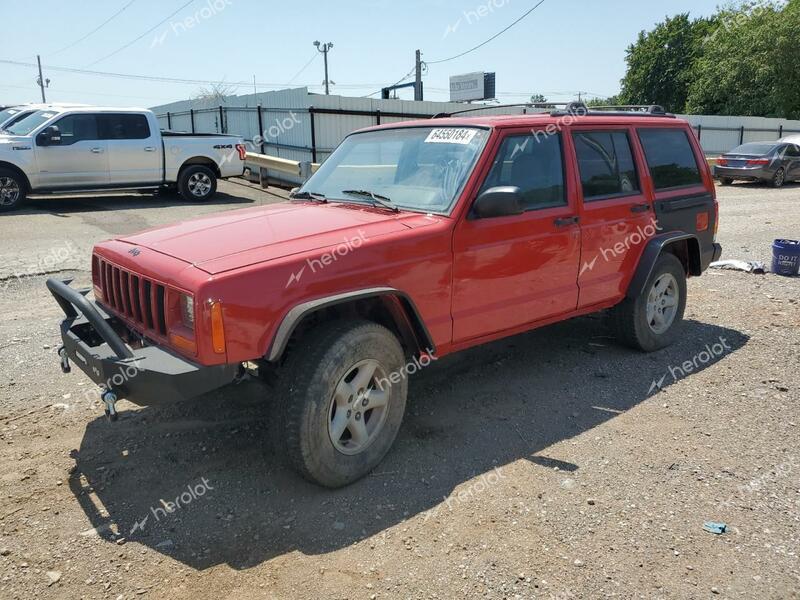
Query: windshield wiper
[(308, 196), (377, 199)]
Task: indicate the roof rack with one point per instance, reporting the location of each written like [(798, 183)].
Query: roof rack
[(575, 108)]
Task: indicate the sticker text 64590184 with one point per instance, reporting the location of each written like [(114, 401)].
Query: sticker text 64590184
[(451, 135)]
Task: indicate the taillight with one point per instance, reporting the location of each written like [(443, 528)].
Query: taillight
[(722, 162), (701, 221), (758, 161), (240, 148)]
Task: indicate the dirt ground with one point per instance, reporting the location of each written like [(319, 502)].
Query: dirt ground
[(554, 464)]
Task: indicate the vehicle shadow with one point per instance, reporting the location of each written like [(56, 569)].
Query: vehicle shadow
[(78, 203), (215, 462)]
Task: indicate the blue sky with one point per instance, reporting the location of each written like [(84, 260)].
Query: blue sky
[(559, 49)]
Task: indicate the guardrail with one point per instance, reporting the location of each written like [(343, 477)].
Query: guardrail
[(265, 162)]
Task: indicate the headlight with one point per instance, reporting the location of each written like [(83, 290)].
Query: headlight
[(187, 311)]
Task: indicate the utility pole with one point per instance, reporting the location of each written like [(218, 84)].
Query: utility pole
[(418, 80), (41, 81), (324, 48)]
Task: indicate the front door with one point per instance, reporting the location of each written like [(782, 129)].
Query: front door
[(514, 270), (79, 160)]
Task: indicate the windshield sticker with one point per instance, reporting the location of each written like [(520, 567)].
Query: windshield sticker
[(451, 136)]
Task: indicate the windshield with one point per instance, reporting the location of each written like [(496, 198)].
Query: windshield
[(754, 148), (6, 114), (31, 122), (415, 168)]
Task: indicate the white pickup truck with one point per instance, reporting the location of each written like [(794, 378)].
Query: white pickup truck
[(84, 149)]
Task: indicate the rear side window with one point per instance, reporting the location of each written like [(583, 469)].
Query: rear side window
[(535, 165), (670, 158), (606, 166), (123, 127), (793, 151)]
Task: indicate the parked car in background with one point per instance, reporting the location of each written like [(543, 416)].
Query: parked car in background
[(772, 162), (457, 232), (89, 148), (12, 114), (791, 139)]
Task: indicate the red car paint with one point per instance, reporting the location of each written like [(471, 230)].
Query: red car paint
[(471, 280)]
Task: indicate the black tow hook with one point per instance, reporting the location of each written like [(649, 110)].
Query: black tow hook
[(62, 354), (110, 400)]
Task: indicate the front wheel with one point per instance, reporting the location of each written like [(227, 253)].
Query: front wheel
[(651, 320), (12, 190), (343, 398), (779, 178), (197, 183), (726, 180)]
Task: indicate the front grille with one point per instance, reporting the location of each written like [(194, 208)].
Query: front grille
[(134, 297)]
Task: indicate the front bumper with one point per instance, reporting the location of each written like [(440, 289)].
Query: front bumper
[(145, 375), (747, 174)]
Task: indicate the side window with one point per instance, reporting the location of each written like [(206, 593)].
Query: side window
[(123, 127), (606, 165), (77, 128), (670, 158), (793, 151), (533, 163)]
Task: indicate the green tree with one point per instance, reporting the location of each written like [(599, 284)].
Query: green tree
[(749, 64), (661, 63)]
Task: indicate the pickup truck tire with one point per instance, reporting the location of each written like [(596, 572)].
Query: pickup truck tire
[(197, 183), (13, 190), (340, 412), (651, 320)]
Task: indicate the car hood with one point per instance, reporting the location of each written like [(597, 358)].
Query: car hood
[(6, 139), (235, 239)]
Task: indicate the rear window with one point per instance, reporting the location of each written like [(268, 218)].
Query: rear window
[(123, 127), (606, 164), (670, 158), (754, 148)]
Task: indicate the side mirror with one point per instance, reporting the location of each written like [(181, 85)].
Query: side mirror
[(501, 201), (51, 136)]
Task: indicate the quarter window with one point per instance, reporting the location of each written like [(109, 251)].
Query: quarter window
[(534, 164), (793, 151), (77, 128), (606, 164), (670, 158), (123, 127)]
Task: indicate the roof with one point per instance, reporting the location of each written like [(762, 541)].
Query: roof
[(88, 108), (538, 120)]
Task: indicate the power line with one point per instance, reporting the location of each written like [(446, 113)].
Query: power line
[(153, 28), (403, 78), (305, 66), (95, 30), (495, 36)]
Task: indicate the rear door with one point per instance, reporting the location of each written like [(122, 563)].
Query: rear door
[(616, 218), (792, 157), (682, 186), (134, 150), (515, 270), (79, 160)]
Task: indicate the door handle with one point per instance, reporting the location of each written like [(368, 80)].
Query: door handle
[(566, 221), (637, 208), (97, 150), (149, 149)]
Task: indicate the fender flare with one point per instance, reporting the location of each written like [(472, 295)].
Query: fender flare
[(299, 312), (650, 255)]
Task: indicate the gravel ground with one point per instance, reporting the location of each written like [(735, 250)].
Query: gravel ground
[(554, 464)]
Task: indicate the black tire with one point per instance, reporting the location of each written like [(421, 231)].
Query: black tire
[(188, 180), (13, 190), (726, 181), (779, 178), (630, 318), (315, 368)]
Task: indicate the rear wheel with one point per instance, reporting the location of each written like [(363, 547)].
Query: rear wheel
[(12, 190), (651, 320), (342, 401), (197, 183), (779, 178), (725, 180)]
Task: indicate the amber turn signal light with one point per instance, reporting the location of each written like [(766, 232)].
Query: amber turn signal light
[(217, 328)]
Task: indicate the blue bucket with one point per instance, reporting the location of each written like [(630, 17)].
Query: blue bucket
[(786, 257)]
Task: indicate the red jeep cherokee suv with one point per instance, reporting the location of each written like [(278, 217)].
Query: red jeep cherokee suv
[(412, 241)]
